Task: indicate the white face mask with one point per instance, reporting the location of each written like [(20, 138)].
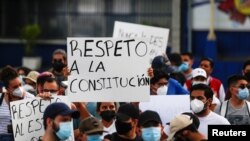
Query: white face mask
[(27, 87), (197, 105), (199, 82), (162, 90), (18, 92)]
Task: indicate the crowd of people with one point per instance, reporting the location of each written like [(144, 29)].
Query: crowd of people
[(210, 103)]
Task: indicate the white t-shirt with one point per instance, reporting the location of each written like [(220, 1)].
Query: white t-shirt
[(211, 119), (109, 130)]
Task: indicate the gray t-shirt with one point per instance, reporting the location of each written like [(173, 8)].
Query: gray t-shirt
[(238, 116)]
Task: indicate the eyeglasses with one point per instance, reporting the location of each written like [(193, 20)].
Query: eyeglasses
[(51, 91)]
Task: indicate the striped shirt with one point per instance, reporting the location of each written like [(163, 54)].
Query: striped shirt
[(4, 117)]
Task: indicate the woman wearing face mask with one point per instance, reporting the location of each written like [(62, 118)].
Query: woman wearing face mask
[(201, 97), (107, 112), (150, 126), (13, 91), (236, 109)]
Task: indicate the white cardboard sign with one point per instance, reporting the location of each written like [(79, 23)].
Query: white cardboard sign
[(157, 36), (27, 117), (167, 106), (108, 69)]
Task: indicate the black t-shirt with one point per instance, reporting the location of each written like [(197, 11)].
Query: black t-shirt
[(116, 137)]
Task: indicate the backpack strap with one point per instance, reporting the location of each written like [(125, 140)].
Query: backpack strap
[(223, 108), (248, 107)]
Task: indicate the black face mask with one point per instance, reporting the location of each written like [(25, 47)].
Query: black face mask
[(122, 127), (108, 115), (58, 65)]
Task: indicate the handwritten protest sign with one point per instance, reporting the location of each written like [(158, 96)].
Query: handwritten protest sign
[(27, 117), (167, 106), (158, 37), (107, 69)]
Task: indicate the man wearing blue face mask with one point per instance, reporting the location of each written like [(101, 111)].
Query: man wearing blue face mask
[(93, 129), (150, 125), (57, 122), (237, 108)]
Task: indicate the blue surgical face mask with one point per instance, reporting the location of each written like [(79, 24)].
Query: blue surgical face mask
[(243, 93), (65, 129), (151, 133), (96, 137), (183, 67)]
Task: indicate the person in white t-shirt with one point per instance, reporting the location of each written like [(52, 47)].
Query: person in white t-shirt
[(107, 112), (201, 97)]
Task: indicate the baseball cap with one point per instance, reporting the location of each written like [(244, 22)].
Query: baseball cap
[(127, 111), (179, 123), (32, 76), (159, 62), (59, 108), (147, 116), (91, 125), (199, 72)]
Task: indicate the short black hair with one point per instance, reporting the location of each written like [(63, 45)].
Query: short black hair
[(98, 105), (26, 70), (189, 54), (8, 73), (175, 59), (232, 80), (207, 90), (209, 60), (159, 74), (246, 64)]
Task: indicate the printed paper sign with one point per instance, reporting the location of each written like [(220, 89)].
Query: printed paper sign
[(107, 69), (157, 37)]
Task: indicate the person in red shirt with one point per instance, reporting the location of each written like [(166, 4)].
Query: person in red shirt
[(215, 84)]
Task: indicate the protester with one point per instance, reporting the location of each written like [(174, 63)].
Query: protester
[(23, 72), (30, 82), (13, 92), (246, 73), (208, 65), (162, 63), (57, 121), (237, 108), (92, 128), (107, 111), (188, 59), (59, 65), (126, 123), (199, 76), (41, 80), (161, 84), (150, 126), (201, 97), (184, 127)]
